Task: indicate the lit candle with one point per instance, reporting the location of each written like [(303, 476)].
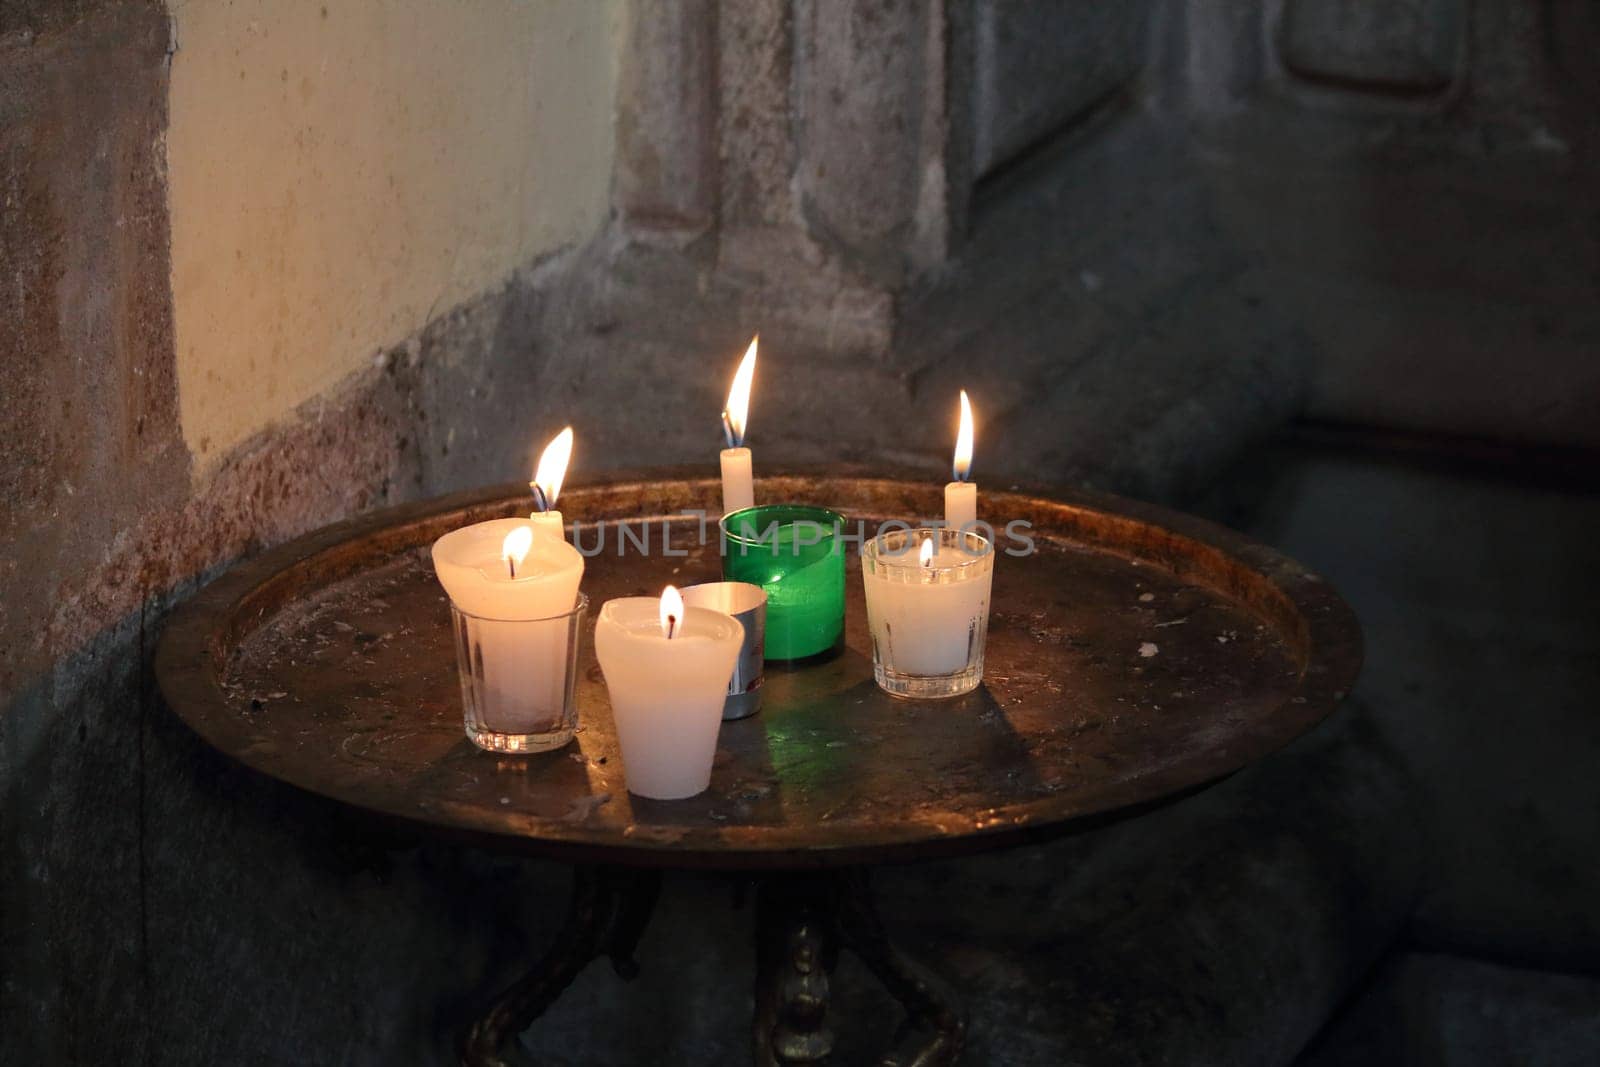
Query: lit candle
[(927, 612), (738, 490), (926, 622), (514, 549), (667, 669), (504, 577), (960, 495), (546, 484)]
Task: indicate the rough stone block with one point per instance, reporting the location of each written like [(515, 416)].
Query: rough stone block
[(1426, 1008), (666, 172), (1480, 670), (1397, 45), (861, 73), (755, 144), (85, 314), (1108, 321), (1039, 66)]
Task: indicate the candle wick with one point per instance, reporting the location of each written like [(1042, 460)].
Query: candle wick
[(540, 501), (511, 565), (727, 433), (672, 624)]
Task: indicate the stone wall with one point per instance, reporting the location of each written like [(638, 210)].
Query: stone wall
[(1418, 174), (1159, 230), (339, 174), (1143, 237), (224, 319)]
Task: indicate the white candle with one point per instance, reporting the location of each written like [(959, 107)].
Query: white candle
[(738, 489), (960, 495), (524, 669), (925, 612), (960, 505), (548, 524), (667, 669), (546, 484)]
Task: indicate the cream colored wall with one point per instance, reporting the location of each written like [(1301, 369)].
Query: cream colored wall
[(340, 170)]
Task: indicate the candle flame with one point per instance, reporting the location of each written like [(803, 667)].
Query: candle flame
[(962, 467), (552, 470), (671, 611), (514, 549), (738, 409), (925, 553)]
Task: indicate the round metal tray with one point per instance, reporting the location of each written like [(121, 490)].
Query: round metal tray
[(1135, 656)]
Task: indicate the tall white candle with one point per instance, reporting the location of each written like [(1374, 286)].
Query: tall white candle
[(546, 484), (960, 495), (738, 488), (525, 672), (666, 669)]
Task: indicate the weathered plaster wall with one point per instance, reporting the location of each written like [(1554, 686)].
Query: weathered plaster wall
[(340, 172), (152, 907)]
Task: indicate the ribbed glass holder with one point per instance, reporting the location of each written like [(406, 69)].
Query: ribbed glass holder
[(517, 679), (928, 620)]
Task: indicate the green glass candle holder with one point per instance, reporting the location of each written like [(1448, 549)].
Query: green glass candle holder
[(795, 553)]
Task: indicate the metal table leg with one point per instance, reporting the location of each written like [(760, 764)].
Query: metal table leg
[(609, 910), (802, 922)]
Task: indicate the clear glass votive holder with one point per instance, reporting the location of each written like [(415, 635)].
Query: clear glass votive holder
[(794, 552), (928, 620), (517, 679)]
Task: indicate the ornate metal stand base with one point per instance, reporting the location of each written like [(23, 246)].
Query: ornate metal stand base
[(801, 924), (610, 907), (802, 921)]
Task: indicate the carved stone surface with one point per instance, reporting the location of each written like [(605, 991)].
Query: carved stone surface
[(1398, 45), (863, 73), (1039, 66), (755, 133), (666, 168)]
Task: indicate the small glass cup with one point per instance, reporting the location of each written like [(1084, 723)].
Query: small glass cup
[(517, 679), (929, 620), (794, 553)]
